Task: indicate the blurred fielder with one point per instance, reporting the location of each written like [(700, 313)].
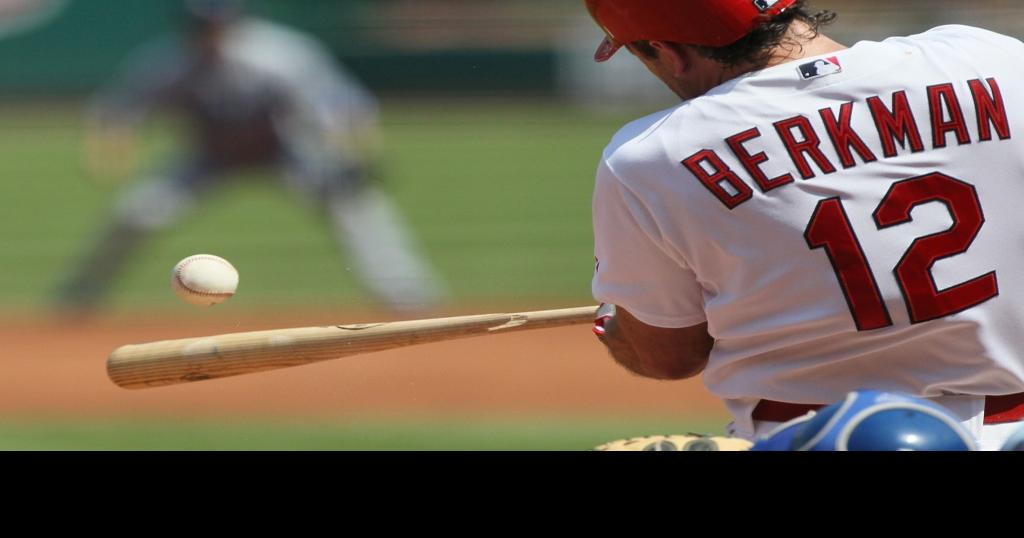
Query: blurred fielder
[(254, 94)]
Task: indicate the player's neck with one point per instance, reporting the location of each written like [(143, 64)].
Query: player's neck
[(801, 42), (702, 73)]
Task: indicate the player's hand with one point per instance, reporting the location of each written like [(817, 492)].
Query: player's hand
[(604, 319), (110, 154)]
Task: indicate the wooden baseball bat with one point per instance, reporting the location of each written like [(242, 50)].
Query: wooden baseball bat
[(169, 362)]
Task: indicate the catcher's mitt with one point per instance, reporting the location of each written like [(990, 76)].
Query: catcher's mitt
[(676, 443)]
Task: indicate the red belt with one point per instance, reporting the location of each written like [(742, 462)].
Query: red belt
[(998, 409)]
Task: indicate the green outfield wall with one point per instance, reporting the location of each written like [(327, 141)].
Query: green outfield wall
[(54, 47)]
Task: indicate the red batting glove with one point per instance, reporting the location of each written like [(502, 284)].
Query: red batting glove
[(605, 313)]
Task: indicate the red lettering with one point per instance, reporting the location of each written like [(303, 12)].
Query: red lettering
[(896, 125), (844, 138), (800, 149), (831, 230), (925, 301), (718, 174), (752, 163), (943, 96), (991, 111)]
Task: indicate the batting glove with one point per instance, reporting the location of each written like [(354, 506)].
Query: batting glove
[(603, 319)]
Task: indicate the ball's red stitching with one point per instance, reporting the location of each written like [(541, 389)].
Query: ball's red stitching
[(177, 276)]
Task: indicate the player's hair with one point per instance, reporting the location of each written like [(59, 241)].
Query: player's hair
[(756, 47)]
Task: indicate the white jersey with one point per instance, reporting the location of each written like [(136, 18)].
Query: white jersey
[(840, 222)]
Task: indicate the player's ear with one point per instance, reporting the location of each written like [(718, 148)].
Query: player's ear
[(678, 59)]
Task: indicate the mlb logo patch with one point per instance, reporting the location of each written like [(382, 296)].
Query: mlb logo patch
[(820, 68), (765, 5)]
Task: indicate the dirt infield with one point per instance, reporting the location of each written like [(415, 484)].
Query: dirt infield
[(57, 368)]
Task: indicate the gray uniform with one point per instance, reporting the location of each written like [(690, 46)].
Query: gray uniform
[(270, 97)]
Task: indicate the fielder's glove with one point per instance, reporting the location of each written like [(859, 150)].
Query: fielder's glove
[(691, 442)]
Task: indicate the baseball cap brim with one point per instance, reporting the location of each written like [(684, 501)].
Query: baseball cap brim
[(606, 50)]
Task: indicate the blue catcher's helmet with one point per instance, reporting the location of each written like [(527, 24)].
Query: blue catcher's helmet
[(1015, 443), (876, 420), (780, 439)]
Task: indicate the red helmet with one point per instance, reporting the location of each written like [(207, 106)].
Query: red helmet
[(711, 23)]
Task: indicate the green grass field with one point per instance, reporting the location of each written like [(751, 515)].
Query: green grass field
[(432, 434), (497, 194)]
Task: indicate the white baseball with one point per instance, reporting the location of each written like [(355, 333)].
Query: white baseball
[(204, 279)]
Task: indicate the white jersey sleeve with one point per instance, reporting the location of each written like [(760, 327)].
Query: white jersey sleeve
[(642, 275)]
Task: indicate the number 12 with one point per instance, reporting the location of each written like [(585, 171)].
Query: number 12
[(830, 229)]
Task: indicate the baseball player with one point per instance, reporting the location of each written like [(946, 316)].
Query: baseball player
[(253, 94), (814, 218)]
